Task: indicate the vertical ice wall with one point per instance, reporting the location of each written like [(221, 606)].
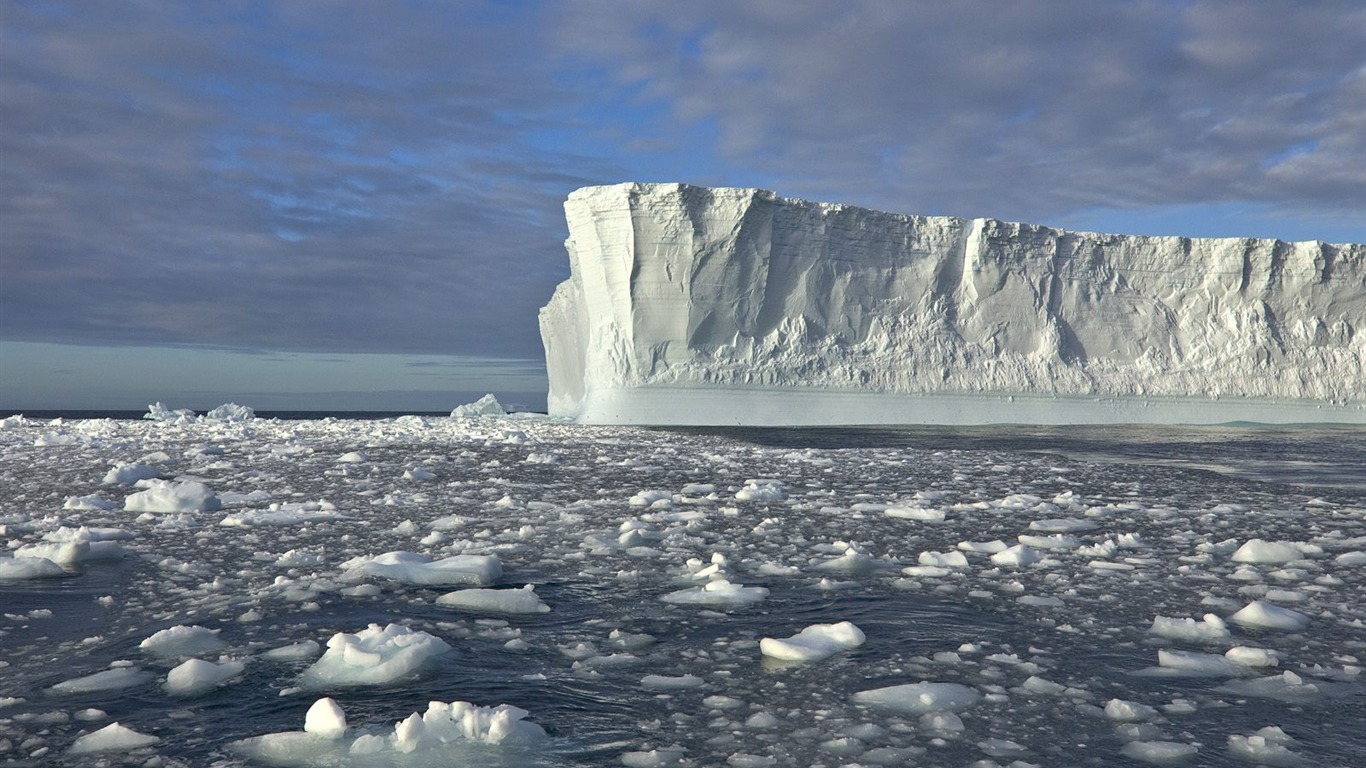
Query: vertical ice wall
[(696, 295)]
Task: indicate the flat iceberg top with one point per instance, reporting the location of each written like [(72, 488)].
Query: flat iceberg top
[(682, 297)]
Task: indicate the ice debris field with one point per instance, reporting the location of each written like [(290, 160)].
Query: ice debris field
[(487, 591)]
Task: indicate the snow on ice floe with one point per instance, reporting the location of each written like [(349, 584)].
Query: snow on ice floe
[(510, 601), (816, 642), (111, 738), (374, 656), (167, 496), (418, 569), (454, 733)]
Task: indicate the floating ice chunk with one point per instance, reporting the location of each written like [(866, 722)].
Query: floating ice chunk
[(667, 683), (443, 735), (1057, 541), (326, 719), (1188, 664), (74, 545), (1038, 685), (195, 676), (983, 547), (717, 593), (1122, 711), (1289, 687), (485, 407), (1262, 615), (166, 496), (31, 567), (918, 698), (1259, 551), (295, 558), (650, 498), (231, 413), (922, 514), (762, 490), (308, 649), (1268, 746), (418, 569), (108, 680), (853, 561), (1017, 555), (182, 640), (814, 643), (1062, 525), (654, 758), (288, 513), (111, 738), (944, 559), (374, 656), (159, 412), (1351, 558), (94, 502), (419, 474), (127, 474), (353, 457), (1253, 657), (1210, 628), (518, 601), (1159, 752)]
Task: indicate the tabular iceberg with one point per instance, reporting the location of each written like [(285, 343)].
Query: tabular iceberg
[(693, 305)]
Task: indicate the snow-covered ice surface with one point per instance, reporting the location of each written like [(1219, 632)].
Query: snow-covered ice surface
[(1036, 596)]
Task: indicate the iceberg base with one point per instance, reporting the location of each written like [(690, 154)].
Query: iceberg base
[(701, 406)]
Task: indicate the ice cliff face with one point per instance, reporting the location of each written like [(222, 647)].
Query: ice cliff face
[(697, 305)]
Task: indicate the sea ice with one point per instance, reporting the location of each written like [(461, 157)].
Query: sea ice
[(717, 593), (418, 569), (195, 676), (111, 738), (1210, 628), (514, 601), (1159, 752), (166, 496), (374, 656), (813, 643), (182, 640), (1262, 615), (326, 719), (108, 680), (1268, 746), (19, 568), (919, 698), (1260, 551), (486, 406)]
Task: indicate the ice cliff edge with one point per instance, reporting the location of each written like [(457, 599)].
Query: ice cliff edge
[(693, 305)]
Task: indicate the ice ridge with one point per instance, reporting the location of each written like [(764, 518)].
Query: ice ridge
[(704, 305)]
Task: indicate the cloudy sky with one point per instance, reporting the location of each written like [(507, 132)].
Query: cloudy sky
[(357, 204)]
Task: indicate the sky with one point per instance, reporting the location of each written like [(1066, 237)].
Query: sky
[(358, 206)]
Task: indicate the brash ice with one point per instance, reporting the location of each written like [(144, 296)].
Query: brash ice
[(693, 305)]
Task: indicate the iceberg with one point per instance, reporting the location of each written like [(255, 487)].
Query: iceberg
[(693, 305)]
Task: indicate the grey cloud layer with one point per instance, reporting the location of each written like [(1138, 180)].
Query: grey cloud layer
[(1019, 110), (387, 177)]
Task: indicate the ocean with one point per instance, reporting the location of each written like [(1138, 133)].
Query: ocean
[(1020, 595)]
